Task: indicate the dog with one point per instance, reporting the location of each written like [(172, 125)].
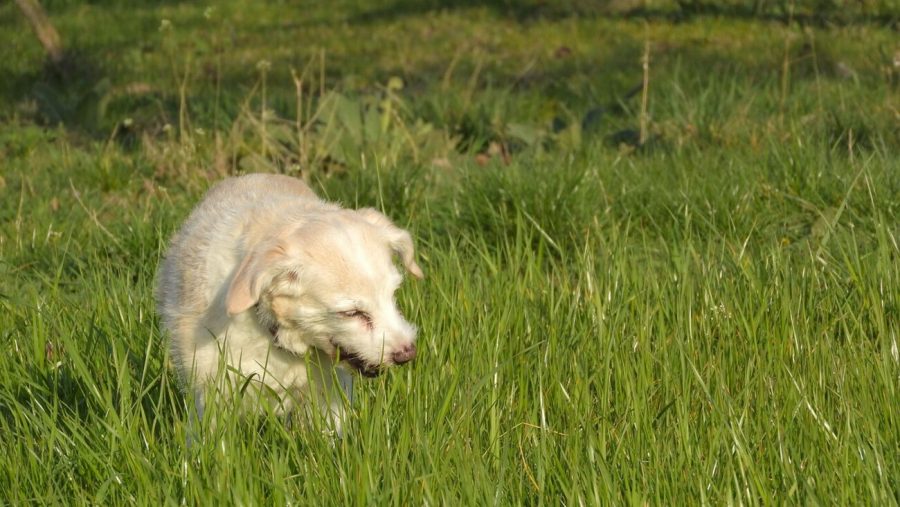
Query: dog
[(268, 290)]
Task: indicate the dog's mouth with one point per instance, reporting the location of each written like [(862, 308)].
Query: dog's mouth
[(358, 363)]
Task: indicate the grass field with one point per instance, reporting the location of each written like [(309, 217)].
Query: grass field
[(674, 290)]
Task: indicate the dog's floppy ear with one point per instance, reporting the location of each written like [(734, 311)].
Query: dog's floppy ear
[(401, 243), (399, 239), (251, 277)]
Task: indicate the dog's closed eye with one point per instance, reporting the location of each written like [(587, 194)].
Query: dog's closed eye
[(358, 314)]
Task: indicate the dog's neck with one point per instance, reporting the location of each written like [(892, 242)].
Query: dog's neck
[(287, 340), (270, 323)]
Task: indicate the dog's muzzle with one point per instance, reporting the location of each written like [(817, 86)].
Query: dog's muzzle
[(405, 354), (400, 356), (364, 369)]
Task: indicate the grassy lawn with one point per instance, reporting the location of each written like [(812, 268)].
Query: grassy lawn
[(678, 289)]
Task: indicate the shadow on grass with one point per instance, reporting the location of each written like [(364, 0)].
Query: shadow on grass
[(88, 103), (91, 100), (810, 13)]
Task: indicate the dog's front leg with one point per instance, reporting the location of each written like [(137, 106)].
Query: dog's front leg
[(332, 386), (342, 400), (194, 420)]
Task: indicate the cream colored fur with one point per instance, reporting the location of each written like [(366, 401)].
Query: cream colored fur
[(262, 252)]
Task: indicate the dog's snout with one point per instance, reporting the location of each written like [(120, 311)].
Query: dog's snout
[(404, 354)]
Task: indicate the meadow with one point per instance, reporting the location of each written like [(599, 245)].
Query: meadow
[(660, 242)]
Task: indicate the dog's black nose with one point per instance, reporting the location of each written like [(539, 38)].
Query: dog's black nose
[(404, 354)]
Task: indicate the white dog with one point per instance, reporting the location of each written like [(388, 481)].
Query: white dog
[(268, 287)]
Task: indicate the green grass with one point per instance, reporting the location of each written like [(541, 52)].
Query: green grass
[(711, 317)]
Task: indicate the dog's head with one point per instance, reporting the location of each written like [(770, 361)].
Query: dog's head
[(329, 283)]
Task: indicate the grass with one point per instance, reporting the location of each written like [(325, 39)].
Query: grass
[(710, 317)]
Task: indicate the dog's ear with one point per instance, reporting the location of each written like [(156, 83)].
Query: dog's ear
[(251, 277), (399, 240), (401, 243)]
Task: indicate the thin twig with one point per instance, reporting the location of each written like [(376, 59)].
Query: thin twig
[(527, 468), (298, 123), (786, 63), (92, 214), (645, 64), (43, 29)]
